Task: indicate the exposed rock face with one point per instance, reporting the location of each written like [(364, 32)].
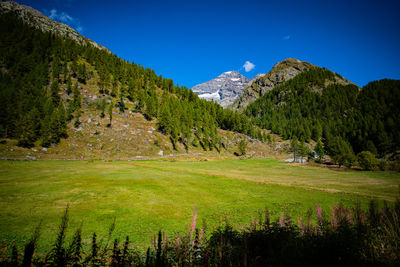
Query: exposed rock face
[(224, 89), (36, 19), (255, 78), (280, 73)]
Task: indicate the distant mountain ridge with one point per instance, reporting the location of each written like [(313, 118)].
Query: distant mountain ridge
[(224, 89), (37, 20)]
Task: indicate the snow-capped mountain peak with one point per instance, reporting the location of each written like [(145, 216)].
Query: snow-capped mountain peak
[(224, 89)]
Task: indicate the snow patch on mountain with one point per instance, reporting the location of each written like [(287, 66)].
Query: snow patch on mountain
[(213, 96)]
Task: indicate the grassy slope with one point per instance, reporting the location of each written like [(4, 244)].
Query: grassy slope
[(150, 195)]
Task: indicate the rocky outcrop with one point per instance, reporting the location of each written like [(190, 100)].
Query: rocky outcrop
[(280, 73), (224, 89), (260, 75), (37, 20)]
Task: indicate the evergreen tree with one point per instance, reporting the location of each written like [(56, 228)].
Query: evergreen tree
[(74, 68), (121, 104), (294, 147), (371, 147), (242, 146), (77, 96), (78, 114), (35, 120), (186, 136), (319, 149), (55, 90), (151, 107), (46, 131), (26, 129), (62, 121), (82, 73), (69, 85), (164, 120), (174, 132), (56, 68), (341, 152), (140, 100), (114, 90), (102, 107), (65, 71), (55, 127), (303, 150), (70, 110), (110, 113)]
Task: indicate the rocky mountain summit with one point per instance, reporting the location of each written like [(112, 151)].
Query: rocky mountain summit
[(279, 74), (36, 19), (224, 89)]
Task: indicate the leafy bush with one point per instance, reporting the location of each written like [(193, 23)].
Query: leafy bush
[(367, 161)]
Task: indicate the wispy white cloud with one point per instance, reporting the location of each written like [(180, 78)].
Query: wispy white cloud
[(248, 66), (287, 37), (64, 18)]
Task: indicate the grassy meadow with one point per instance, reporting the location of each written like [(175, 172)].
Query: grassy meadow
[(147, 196)]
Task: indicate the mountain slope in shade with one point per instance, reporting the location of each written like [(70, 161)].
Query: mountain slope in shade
[(37, 20), (224, 89)]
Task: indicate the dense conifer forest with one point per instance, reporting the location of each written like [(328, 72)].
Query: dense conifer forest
[(35, 110), (345, 118)]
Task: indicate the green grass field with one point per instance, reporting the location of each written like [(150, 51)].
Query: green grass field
[(147, 196)]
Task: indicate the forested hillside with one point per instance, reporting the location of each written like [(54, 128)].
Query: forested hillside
[(41, 76), (312, 106)]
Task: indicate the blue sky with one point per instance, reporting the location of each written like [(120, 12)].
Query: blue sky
[(195, 41)]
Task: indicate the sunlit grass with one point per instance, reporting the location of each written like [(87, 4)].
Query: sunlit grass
[(148, 196)]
